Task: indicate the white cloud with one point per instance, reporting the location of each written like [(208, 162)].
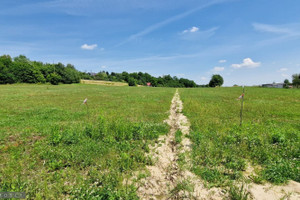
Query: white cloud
[(194, 29), (191, 30), (89, 47), (195, 33), (218, 69), (103, 66), (285, 75), (222, 61), (283, 69), (203, 78), (247, 63)]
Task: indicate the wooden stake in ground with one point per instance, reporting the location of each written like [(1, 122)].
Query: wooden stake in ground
[(242, 105), (87, 108)]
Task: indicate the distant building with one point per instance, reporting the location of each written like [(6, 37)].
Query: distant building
[(92, 73), (273, 85)]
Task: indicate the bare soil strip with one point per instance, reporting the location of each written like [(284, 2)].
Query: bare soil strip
[(167, 179), (165, 171), (290, 191)]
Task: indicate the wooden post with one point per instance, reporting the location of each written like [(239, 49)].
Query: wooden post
[(87, 109), (242, 105)]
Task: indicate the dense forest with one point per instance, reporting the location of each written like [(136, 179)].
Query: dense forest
[(22, 70)]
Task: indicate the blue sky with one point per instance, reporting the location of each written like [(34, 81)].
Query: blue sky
[(248, 42)]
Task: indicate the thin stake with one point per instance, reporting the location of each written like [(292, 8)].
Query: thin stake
[(242, 105), (87, 108)]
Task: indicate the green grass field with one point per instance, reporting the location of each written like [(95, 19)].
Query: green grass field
[(54, 147), (268, 141)]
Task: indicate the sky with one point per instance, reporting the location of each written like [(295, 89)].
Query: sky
[(247, 42)]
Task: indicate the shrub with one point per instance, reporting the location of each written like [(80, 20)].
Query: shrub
[(132, 82), (54, 78)]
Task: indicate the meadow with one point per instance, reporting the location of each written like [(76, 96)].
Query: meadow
[(266, 145), (52, 146)]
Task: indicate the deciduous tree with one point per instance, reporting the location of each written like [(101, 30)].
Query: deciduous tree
[(296, 80), (216, 80)]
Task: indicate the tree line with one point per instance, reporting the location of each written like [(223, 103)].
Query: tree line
[(140, 78), (22, 70)]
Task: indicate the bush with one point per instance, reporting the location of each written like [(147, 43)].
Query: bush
[(132, 82), (54, 78)]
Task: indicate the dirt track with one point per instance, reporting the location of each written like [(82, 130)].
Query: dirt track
[(167, 177), (166, 173)]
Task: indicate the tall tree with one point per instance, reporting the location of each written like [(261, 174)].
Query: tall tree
[(216, 80), (6, 75), (286, 83), (296, 80)]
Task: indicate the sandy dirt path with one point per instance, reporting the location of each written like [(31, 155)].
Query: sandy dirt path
[(166, 175)]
